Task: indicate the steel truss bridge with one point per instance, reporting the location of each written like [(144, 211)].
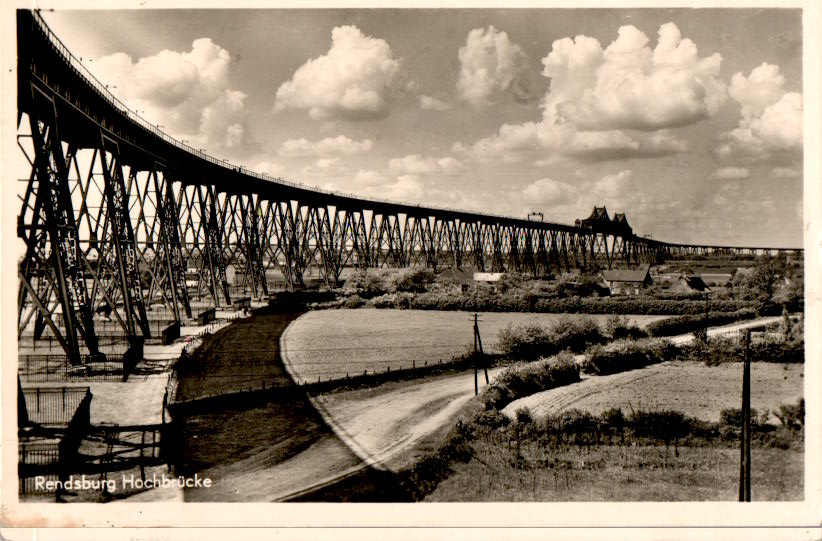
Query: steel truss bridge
[(117, 218)]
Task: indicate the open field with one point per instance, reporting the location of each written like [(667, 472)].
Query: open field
[(333, 343), (619, 473), (692, 388)]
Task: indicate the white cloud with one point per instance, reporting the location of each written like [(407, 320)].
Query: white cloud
[(613, 103), (429, 103), (188, 92), (351, 81), (325, 167), (489, 62), (547, 191), (330, 146), (415, 164), (771, 118), (614, 186), (728, 173), (367, 178), (516, 142), (402, 188), (273, 169), (784, 172), (630, 86)]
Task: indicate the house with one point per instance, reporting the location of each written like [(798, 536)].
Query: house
[(689, 283), (627, 281)]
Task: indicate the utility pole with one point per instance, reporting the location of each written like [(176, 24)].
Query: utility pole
[(477, 354), (745, 449)]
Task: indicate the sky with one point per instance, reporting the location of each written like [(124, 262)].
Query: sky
[(687, 120)]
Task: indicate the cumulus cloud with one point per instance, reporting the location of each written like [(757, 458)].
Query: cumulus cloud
[(429, 103), (771, 118), (727, 173), (547, 191), (615, 186), (517, 142), (370, 183), (613, 103), (415, 164), (628, 85), (188, 92), (269, 168), (489, 63), (330, 146), (353, 80)]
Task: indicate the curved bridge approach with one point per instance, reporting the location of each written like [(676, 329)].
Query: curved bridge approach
[(117, 217)]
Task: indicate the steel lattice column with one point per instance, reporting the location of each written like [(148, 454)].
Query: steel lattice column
[(213, 263), (170, 249), (44, 276), (122, 237)]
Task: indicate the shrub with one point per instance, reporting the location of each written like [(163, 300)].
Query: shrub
[(354, 301), (523, 416), (576, 334), (720, 350), (414, 280), (524, 342), (532, 341), (492, 418), (524, 380), (792, 417), (693, 322), (623, 355), (664, 425), (618, 327)]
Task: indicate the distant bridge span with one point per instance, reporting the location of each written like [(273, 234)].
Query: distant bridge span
[(118, 217)]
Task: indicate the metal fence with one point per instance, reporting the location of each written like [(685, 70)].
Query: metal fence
[(44, 368), (53, 405), (37, 459)]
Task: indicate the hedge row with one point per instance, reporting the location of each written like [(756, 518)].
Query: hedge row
[(719, 350), (690, 323), (532, 341), (622, 355), (524, 380), (535, 303)]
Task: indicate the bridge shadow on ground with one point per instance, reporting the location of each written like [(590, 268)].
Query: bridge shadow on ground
[(261, 445)]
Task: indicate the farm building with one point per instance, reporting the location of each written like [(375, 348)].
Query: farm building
[(688, 283), (627, 281)]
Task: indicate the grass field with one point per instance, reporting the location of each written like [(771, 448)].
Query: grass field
[(692, 388), (619, 473), (332, 343)]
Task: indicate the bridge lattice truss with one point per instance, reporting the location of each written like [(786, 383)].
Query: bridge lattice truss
[(117, 217)]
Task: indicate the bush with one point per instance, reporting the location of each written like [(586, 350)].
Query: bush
[(414, 280), (792, 417), (354, 301), (721, 350), (618, 327), (693, 322), (576, 334), (532, 341), (623, 355), (524, 380), (524, 342), (665, 425)]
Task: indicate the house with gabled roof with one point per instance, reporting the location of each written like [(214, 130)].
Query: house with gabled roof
[(627, 281)]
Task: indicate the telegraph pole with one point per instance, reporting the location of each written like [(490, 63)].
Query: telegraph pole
[(477, 353), (745, 448)]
